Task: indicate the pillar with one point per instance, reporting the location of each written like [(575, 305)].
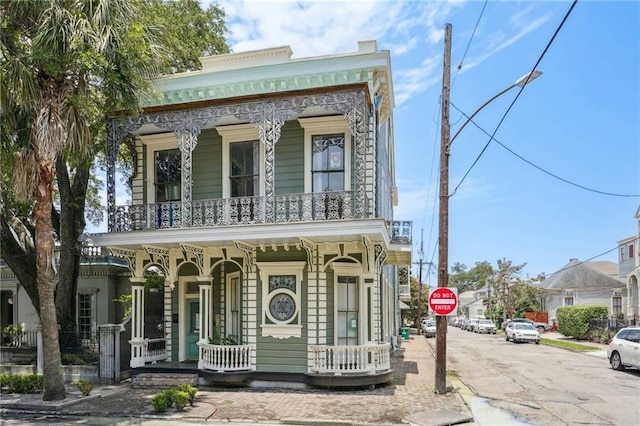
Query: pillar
[(137, 322)]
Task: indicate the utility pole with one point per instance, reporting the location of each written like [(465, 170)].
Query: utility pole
[(443, 228), (421, 259)]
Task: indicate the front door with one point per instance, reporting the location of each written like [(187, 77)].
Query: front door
[(192, 332)]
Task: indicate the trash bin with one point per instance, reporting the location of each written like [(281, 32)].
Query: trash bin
[(404, 332)]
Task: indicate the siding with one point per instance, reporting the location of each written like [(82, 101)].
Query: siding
[(289, 160), (207, 166)]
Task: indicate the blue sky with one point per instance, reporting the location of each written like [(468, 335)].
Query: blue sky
[(580, 120)]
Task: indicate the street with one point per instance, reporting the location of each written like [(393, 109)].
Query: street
[(543, 385)]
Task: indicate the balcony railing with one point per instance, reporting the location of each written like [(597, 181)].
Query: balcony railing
[(226, 357), (238, 211), (338, 360), (400, 231)]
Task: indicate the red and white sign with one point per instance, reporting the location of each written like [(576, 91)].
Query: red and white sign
[(443, 300)]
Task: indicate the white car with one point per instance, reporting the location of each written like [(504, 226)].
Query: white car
[(522, 332), (485, 326), (624, 349), (429, 328)]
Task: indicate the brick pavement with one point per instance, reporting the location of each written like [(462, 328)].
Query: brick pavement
[(410, 393)]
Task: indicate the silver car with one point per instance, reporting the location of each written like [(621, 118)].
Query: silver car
[(485, 326), (522, 332), (624, 349)]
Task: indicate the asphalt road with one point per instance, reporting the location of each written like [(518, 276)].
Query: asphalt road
[(544, 385)]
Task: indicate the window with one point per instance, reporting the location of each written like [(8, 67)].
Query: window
[(86, 318), (622, 253), (328, 163), (616, 304), (327, 160), (568, 301), (244, 171), (281, 306), (233, 306), (630, 251), (348, 310), (168, 177)]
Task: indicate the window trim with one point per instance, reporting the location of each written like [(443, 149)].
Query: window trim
[(240, 133), (153, 143), (317, 126), (291, 328), (228, 308), (351, 270)]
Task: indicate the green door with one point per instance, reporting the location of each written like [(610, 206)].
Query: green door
[(192, 332)]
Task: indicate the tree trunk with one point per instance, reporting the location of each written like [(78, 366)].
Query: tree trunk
[(72, 224), (53, 376)]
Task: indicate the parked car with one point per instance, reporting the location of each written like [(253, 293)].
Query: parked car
[(540, 326), (624, 349), (429, 328), (471, 324), (522, 332), (485, 326)]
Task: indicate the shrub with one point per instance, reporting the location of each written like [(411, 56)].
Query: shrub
[(13, 334), (573, 321), (85, 387), (162, 401), (16, 383), (190, 390), (180, 399)]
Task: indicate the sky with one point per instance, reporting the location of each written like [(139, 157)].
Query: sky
[(579, 121)]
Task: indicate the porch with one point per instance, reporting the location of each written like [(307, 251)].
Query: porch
[(230, 365)]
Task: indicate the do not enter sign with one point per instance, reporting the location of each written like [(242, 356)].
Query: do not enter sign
[(443, 300)]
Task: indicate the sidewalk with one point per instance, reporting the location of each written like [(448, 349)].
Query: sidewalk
[(410, 398)]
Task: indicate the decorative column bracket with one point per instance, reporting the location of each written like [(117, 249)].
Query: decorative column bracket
[(249, 252)]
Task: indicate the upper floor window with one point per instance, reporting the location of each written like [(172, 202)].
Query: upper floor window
[(168, 175), (622, 253), (327, 158), (631, 251), (244, 169), (328, 163)]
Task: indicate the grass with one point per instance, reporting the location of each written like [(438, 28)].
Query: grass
[(569, 345)]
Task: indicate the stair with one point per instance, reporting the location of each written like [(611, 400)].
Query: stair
[(163, 380)]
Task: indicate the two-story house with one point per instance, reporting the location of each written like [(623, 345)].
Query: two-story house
[(629, 271), (263, 191)]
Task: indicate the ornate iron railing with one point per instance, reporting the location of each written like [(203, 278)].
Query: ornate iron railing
[(340, 360), (238, 211), (226, 357), (400, 231)]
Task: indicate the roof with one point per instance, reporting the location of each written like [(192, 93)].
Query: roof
[(577, 275)]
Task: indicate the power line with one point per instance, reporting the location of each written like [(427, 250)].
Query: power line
[(469, 43), (540, 168), (544, 52)]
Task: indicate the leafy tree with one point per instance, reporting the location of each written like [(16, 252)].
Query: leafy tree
[(105, 78), (506, 286), (472, 279), (59, 61)]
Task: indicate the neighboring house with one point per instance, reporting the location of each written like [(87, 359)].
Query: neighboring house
[(263, 190), (629, 271), (471, 303), (102, 279), (584, 283)]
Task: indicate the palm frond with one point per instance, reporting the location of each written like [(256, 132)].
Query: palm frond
[(25, 174)]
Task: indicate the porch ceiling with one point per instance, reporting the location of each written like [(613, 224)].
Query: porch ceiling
[(399, 254), (254, 234)]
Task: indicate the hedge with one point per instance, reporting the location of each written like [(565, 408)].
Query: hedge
[(573, 321)]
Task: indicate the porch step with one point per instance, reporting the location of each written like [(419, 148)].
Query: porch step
[(163, 380)]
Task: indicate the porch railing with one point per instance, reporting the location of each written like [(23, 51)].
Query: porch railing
[(155, 350), (238, 211), (350, 359), (226, 357)]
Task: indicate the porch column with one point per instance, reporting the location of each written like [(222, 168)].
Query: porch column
[(137, 322), (269, 130), (205, 316), (187, 141)]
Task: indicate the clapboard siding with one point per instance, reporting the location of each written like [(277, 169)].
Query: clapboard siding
[(289, 160), (207, 166)]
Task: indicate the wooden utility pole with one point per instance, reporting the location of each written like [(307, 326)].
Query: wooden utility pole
[(443, 234)]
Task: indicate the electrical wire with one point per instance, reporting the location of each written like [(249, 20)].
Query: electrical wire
[(504, 116), (612, 194), (469, 43)]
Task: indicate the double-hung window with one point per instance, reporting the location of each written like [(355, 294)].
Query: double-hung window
[(328, 162), (168, 175), (244, 169)]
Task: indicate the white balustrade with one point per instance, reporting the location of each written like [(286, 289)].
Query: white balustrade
[(350, 359), (226, 357)]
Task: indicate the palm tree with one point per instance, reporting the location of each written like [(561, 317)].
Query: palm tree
[(61, 60)]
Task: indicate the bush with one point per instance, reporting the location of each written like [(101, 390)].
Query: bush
[(85, 387), (180, 396), (16, 383), (573, 321), (190, 390), (162, 400)]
